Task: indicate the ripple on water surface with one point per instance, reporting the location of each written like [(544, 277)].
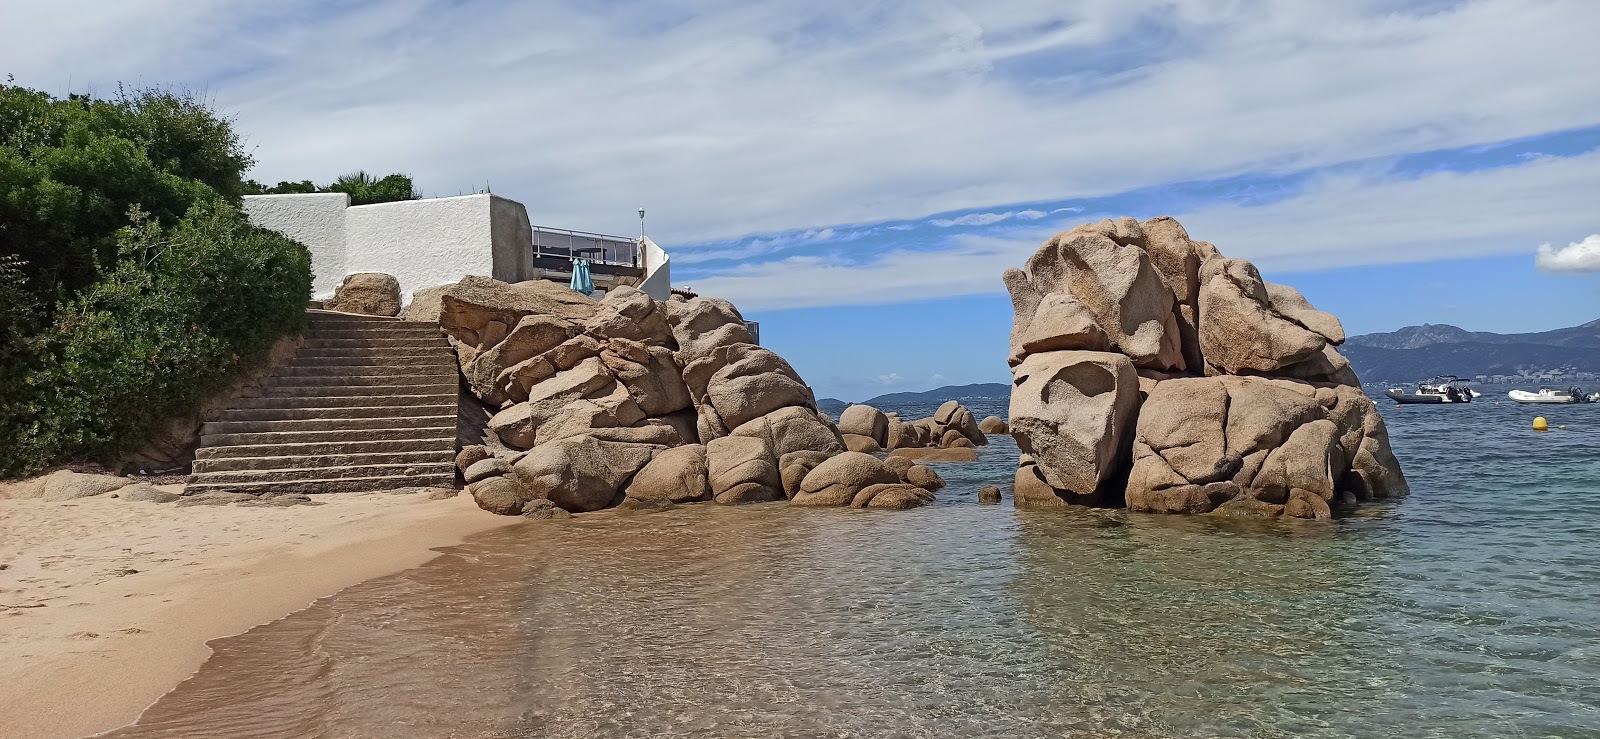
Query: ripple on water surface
[(1465, 610)]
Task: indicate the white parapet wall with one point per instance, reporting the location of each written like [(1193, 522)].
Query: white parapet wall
[(318, 221), (657, 270), (422, 243)]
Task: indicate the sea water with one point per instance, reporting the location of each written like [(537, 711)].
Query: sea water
[(1470, 608)]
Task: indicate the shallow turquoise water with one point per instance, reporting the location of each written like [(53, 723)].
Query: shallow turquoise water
[(1468, 609)]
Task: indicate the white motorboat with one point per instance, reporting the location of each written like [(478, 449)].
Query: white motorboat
[(1445, 389), (1549, 396)]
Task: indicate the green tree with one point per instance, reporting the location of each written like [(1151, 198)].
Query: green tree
[(363, 189), (131, 287)]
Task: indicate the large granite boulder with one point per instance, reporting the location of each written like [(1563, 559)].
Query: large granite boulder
[(864, 420), (736, 383), (627, 313), (677, 475), (793, 429), (1071, 411), (1236, 402), (649, 373), (579, 473), (837, 481), (703, 324), (368, 293), (953, 416), (896, 496), (994, 425), (742, 470), (1112, 285)]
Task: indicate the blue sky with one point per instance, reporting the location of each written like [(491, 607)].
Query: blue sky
[(857, 175)]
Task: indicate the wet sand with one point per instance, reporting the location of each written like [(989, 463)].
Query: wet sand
[(105, 605)]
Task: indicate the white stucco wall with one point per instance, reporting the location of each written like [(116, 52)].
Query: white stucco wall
[(318, 221), (421, 242), (657, 270)]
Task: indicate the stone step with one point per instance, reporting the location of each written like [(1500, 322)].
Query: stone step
[(418, 442), (330, 462), (286, 402), (335, 370), (328, 485), (432, 359), (307, 414), (432, 342), (353, 381), (304, 391), (324, 321), (377, 352), (326, 473), (343, 436), (354, 426), (344, 334)]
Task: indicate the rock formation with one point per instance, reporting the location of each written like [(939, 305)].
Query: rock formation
[(368, 293), (867, 429), (630, 401), (1150, 371)]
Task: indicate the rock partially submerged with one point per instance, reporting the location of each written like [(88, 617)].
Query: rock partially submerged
[(867, 429), (1150, 371), (632, 402)]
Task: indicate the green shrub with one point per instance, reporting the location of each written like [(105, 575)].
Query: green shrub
[(131, 286), (362, 188)]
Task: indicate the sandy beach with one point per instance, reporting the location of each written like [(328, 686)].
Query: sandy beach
[(106, 604)]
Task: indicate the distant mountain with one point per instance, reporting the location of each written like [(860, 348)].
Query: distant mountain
[(948, 392), (1420, 352), (832, 406), (1417, 337)]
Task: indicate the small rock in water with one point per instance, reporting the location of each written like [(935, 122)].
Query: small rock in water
[(989, 495), (544, 509), (645, 506)]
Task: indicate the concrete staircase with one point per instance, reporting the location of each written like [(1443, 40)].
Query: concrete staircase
[(366, 404)]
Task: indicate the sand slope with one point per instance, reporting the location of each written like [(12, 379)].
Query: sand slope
[(107, 604)]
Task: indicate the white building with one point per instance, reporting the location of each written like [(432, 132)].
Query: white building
[(437, 241)]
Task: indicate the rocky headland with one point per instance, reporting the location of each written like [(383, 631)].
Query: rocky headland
[(1150, 371), (629, 401)]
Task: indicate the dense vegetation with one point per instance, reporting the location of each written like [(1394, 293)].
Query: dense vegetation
[(362, 188), (131, 286)]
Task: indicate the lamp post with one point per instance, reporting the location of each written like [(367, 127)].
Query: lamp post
[(641, 223)]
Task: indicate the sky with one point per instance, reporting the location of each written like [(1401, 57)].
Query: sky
[(856, 175)]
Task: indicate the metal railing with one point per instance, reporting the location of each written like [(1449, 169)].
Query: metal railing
[(597, 248)]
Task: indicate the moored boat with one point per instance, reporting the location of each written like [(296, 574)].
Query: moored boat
[(1549, 396), (1444, 389)]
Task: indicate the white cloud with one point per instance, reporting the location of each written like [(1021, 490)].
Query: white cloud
[(1338, 221), (892, 378), (901, 227), (1581, 256), (971, 219), (1066, 210), (1031, 215), (743, 118)]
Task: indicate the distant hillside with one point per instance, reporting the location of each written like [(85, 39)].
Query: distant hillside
[(832, 406), (1417, 337), (948, 392), (1420, 352)]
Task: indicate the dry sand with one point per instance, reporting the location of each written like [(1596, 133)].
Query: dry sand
[(106, 604)]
